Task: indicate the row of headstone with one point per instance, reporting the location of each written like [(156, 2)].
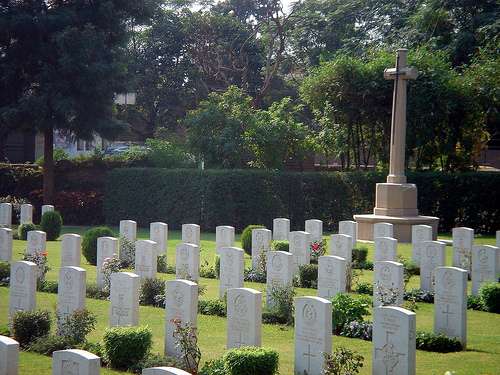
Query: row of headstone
[(26, 214)]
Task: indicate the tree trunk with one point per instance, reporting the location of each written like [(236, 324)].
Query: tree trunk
[(48, 166)]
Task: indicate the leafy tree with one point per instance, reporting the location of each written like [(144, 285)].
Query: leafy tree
[(61, 63)]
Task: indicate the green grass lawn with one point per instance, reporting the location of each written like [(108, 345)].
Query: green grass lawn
[(482, 355)]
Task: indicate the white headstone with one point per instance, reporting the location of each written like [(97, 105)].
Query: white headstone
[(341, 246), (498, 239), (419, 233), (383, 230), (9, 356), (158, 232), (145, 258), (124, 299), (6, 237), (300, 247), (70, 292), (313, 333), (107, 247), (388, 283), (128, 233), (450, 303), (261, 242), (463, 240), (187, 261), (485, 266), (385, 248), (47, 208), (22, 287), (394, 343), (71, 250), (331, 276), (232, 263), (164, 371), (191, 234), (350, 228), (26, 213), (244, 318), (181, 303), (36, 241), (279, 265), (432, 255), (315, 228), (224, 237), (281, 229), (5, 215), (75, 362)]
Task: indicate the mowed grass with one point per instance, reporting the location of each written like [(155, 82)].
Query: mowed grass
[(481, 357)]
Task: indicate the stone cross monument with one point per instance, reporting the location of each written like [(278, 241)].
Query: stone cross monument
[(396, 200)]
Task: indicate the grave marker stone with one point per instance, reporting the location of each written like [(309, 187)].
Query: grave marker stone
[(419, 233), (47, 208), (164, 371), (224, 237), (463, 240), (232, 263), (181, 303), (315, 228), (450, 302), (158, 232), (313, 333), (385, 248), (124, 299), (331, 276), (107, 247), (498, 239), (70, 292), (281, 229), (128, 236), (26, 213), (341, 246), (145, 258), (350, 228), (9, 356), (187, 261), (6, 238), (71, 250), (261, 242), (22, 287), (383, 230), (432, 255), (5, 215), (75, 362), (244, 318), (300, 243), (36, 241), (388, 283), (485, 266), (191, 234), (394, 344), (279, 271)]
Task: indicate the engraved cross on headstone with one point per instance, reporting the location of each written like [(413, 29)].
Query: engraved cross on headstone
[(388, 354), (228, 285), (448, 313), (240, 342), (309, 356), (401, 74)]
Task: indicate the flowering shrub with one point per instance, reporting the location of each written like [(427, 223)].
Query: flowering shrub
[(419, 296), (40, 259), (186, 340), (342, 361), (110, 266), (256, 276), (127, 251), (358, 330), (4, 273), (387, 296), (318, 248)]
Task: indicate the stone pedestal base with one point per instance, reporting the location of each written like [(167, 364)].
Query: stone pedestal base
[(396, 200), (402, 226)]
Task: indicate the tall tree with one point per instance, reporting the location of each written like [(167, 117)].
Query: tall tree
[(61, 64)]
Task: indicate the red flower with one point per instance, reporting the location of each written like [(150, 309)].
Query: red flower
[(44, 254), (316, 247)]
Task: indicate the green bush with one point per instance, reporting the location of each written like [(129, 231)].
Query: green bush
[(96, 291), (489, 293), (124, 346), (212, 307), (76, 326), (359, 254), (89, 243), (437, 343), (283, 302), (23, 230), (308, 275), (342, 361), (364, 288), (48, 344), (280, 246), (251, 360), (96, 348), (151, 287), (51, 223), (217, 266), (4, 271), (26, 326), (213, 367), (246, 238), (346, 309), (47, 286), (154, 360)]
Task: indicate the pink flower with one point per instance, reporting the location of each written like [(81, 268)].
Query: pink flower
[(316, 247), (106, 260)]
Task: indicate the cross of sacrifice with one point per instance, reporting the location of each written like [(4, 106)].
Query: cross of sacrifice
[(388, 354), (309, 355), (401, 74), (448, 313)]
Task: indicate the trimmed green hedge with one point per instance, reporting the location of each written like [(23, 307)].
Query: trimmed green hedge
[(244, 197)]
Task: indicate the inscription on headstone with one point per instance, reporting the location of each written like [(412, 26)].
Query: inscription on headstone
[(26, 213), (261, 242), (191, 234), (22, 287), (331, 276), (315, 228), (107, 247), (71, 250), (128, 236), (383, 230), (6, 238), (145, 258), (341, 246), (5, 215), (187, 261), (432, 255), (300, 248), (463, 240), (224, 237), (385, 248), (281, 229), (279, 272), (388, 283), (70, 292), (244, 318), (75, 362), (158, 232), (419, 233), (124, 299), (350, 228), (485, 266), (232, 263)]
